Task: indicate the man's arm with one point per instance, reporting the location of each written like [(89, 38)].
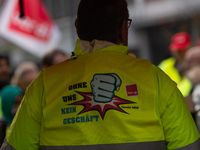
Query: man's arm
[(179, 127)]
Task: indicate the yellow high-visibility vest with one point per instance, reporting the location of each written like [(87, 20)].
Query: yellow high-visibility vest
[(60, 109), (184, 84)]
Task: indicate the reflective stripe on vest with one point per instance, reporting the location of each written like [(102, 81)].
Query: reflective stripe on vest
[(159, 145), (6, 146), (193, 146)]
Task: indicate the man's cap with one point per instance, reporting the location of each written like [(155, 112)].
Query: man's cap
[(180, 41)]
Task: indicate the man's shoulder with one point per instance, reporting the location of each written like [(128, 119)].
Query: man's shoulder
[(57, 67)]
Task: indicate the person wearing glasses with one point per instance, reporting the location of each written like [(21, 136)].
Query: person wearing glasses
[(102, 98)]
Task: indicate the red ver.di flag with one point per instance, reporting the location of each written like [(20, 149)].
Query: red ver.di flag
[(37, 33)]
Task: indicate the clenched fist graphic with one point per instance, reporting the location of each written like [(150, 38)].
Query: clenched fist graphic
[(103, 87)]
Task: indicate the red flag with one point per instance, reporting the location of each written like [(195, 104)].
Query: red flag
[(37, 33)]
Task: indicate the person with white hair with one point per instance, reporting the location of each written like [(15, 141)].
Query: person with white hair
[(24, 74)]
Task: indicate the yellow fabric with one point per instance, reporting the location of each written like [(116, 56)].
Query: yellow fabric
[(51, 114), (168, 66)]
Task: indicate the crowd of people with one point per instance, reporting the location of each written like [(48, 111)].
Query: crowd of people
[(13, 84), (107, 98), (183, 68)]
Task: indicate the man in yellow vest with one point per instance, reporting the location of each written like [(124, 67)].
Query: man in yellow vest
[(173, 66), (102, 98)]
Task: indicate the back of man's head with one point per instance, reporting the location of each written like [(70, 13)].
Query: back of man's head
[(101, 19)]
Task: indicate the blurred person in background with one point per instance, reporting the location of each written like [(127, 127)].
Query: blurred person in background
[(132, 54), (11, 95), (173, 66), (192, 58), (53, 57), (102, 98), (24, 74), (192, 72), (5, 72), (198, 42)]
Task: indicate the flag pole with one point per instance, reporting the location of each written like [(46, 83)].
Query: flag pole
[(21, 4)]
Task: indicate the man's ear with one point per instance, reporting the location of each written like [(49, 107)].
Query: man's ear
[(124, 33), (76, 23)]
